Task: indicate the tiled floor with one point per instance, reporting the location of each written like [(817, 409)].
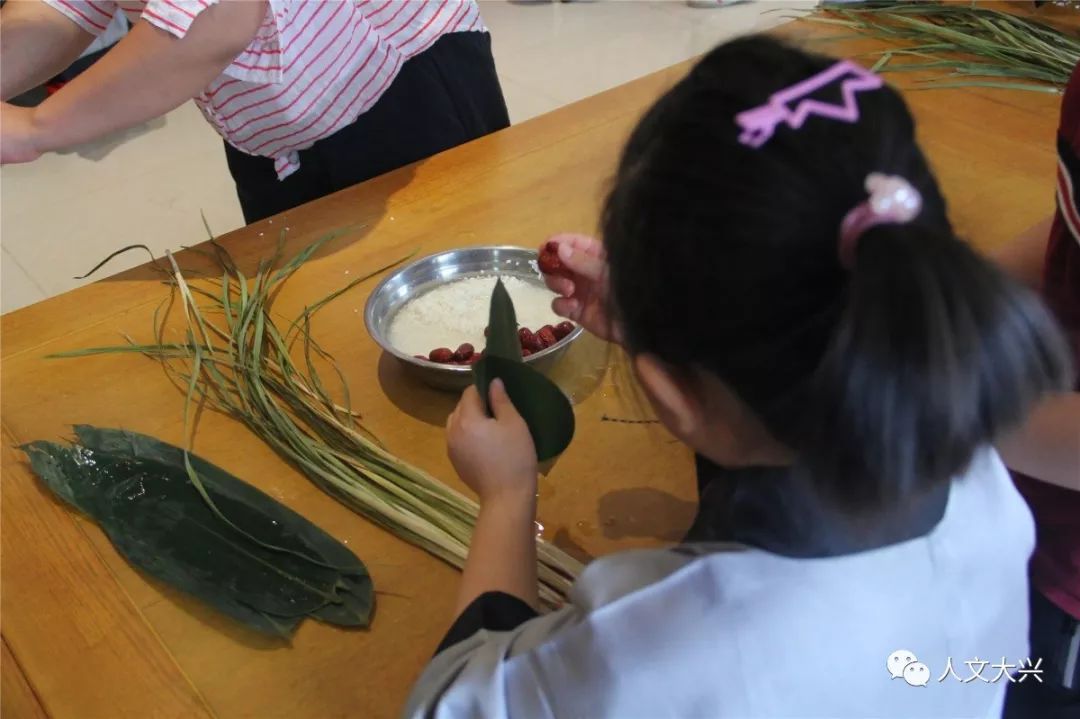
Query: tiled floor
[(63, 213)]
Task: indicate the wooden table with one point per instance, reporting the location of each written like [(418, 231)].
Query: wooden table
[(86, 636)]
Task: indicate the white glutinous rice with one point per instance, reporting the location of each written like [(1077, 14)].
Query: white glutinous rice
[(452, 314)]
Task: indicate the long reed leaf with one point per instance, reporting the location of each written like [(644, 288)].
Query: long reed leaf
[(962, 41), (243, 367)]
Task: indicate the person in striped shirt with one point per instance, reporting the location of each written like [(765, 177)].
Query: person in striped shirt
[(310, 96), (1044, 454)]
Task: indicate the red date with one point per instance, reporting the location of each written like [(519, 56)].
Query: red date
[(549, 262), (546, 335), (529, 340), (442, 355)]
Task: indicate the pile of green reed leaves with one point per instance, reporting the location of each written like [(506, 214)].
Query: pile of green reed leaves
[(237, 360), (972, 46)]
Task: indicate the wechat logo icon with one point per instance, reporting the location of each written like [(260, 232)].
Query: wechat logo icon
[(903, 664)]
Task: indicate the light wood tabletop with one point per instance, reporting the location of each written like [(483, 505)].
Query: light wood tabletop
[(84, 635)]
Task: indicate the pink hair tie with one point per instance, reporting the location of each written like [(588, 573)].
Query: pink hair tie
[(892, 201)]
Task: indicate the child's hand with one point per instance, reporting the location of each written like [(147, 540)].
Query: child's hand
[(584, 294), (496, 456)]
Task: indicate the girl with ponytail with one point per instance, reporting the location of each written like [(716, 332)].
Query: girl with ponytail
[(778, 262)]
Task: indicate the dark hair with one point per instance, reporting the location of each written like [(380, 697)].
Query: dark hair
[(884, 378)]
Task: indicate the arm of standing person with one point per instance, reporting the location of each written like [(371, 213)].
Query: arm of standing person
[(1025, 257), (1047, 445), (38, 43), (496, 458), (144, 76)]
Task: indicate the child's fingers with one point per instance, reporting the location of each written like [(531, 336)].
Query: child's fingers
[(567, 307), (470, 405), (560, 285), (579, 262), (581, 243), (501, 406), (452, 420)]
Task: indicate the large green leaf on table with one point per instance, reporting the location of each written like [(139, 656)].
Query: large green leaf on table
[(540, 402), (263, 564)]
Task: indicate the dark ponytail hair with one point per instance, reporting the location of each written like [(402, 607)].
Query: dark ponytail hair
[(885, 378)]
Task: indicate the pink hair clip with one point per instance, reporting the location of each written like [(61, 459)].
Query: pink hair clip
[(760, 123), (892, 200)]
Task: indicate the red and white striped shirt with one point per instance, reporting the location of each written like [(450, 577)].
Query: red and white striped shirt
[(312, 68)]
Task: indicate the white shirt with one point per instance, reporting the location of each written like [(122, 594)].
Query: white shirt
[(715, 631)]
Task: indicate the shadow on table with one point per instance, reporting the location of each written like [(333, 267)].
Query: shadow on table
[(645, 512), (582, 370), (100, 149), (412, 397), (579, 373), (565, 542)]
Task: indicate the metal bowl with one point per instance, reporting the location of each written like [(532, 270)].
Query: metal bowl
[(425, 274)]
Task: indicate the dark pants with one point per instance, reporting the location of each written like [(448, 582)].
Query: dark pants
[(1054, 638), (445, 96)]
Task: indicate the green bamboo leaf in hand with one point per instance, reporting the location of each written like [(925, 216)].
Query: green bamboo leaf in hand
[(541, 403)]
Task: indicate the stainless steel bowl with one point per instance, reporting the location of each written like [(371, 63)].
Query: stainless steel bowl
[(425, 274)]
